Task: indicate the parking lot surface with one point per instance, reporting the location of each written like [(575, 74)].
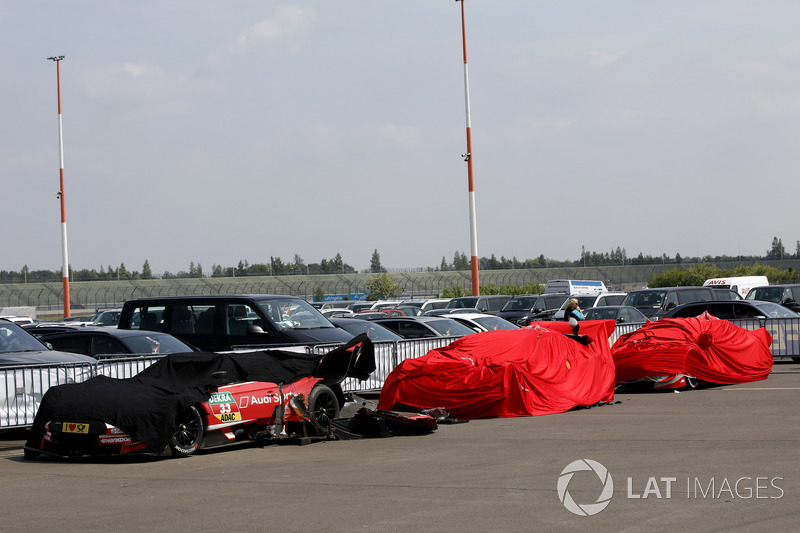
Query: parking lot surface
[(721, 458)]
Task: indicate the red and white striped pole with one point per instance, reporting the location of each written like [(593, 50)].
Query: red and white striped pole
[(473, 225), (64, 256)]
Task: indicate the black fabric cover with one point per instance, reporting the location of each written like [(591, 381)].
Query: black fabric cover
[(148, 406)]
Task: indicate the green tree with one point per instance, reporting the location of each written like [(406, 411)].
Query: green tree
[(381, 287), (777, 251), (298, 265), (319, 294), (375, 263), (146, 272)]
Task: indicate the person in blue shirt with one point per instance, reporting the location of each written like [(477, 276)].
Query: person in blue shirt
[(573, 310)]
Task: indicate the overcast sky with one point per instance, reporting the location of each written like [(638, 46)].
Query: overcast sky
[(214, 132)]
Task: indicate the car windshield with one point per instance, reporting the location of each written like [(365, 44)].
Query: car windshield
[(293, 313), (645, 300), (773, 310), (374, 331), (492, 323), (519, 304), (585, 302), (449, 328), (155, 343), (769, 294), (15, 339), (462, 302), (599, 313), (106, 318)]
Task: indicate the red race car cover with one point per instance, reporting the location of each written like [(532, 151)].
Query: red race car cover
[(536, 370), (703, 347)]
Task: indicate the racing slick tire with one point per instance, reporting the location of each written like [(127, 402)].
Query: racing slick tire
[(188, 435), (323, 407)]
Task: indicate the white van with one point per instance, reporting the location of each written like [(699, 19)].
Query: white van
[(574, 287), (740, 284)]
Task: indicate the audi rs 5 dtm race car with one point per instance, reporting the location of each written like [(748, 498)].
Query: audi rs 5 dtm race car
[(185, 402)]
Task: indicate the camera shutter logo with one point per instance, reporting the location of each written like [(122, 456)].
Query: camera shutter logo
[(603, 500)]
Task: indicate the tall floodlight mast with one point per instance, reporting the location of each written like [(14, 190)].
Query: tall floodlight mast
[(473, 225), (60, 194)]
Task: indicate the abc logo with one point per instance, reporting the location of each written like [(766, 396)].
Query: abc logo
[(603, 500)]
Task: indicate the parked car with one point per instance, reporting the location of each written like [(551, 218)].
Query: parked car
[(491, 304), (411, 310), (446, 311), (374, 331), (416, 327), (97, 341), (621, 314), (654, 303), (19, 320), (482, 322), (587, 301), (520, 310), (45, 328), (733, 310), (18, 347), (359, 306), (786, 295), (428, 304), (109, 317), (226, 322), (335, 312)]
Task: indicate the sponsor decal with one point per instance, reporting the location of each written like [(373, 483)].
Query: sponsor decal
[(224, 407), (115, 440), (74, 427)]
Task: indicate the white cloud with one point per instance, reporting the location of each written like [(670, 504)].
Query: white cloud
[(288, 23)]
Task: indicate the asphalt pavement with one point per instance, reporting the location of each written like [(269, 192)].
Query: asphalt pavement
[(720, 458)]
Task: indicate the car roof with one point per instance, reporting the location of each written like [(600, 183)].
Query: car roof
[(103, 330), (217, 297)]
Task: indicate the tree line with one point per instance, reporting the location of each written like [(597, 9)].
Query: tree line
[(336, 265)]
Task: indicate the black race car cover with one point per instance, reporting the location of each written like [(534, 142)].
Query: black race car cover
[(149, 405)]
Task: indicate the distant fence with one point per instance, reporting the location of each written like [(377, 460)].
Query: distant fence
[(22, 387), (91, 295)]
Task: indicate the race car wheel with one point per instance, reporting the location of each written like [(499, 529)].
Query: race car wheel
[(691, 383), (323, 406), (188, 435)]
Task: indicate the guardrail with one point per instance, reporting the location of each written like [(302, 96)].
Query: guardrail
[(22, 387)]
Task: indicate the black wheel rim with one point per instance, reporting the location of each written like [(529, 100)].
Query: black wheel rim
[(189, 431), (324, 410)]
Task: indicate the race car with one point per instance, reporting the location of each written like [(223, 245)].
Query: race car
[(191, 401), (684, 353)]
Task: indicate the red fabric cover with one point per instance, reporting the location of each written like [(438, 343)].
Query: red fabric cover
[(703, 347), (528, 371)]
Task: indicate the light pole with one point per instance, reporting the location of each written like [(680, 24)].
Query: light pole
[(60, 194), (473, 226)]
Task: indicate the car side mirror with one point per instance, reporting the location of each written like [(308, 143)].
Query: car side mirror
[(621, 320), (789, 301), (671, 305)]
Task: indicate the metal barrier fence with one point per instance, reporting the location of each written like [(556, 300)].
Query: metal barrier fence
[(22, 387), (124, 367)]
